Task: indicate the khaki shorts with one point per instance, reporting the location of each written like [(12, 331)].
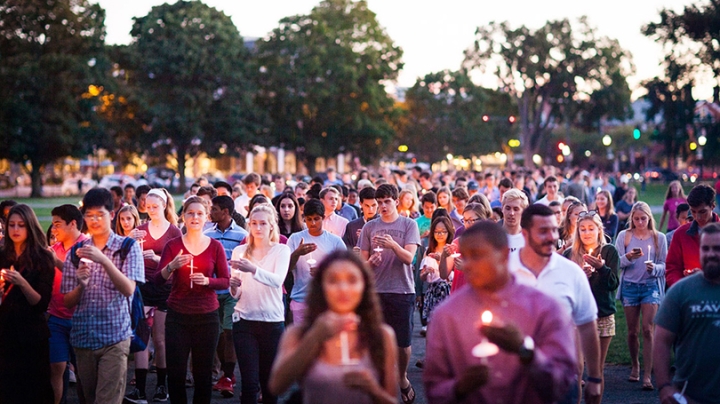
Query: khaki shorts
[(606, 326)]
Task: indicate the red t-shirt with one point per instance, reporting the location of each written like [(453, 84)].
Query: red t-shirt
[(200, 299), (57, 307)]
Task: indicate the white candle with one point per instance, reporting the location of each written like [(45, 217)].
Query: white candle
[(192, 268), (378, 249), (311, 261), (485, 348), (486, 317), (86, 260), (455, 255), (344, 348)]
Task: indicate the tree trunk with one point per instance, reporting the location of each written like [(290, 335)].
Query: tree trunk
[(181, 152), (525, 136), (36, 181)]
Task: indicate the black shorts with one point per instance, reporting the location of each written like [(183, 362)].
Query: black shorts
[(398, 311)]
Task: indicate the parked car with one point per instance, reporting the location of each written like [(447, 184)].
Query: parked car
[(70, 186), (657, 174), (112, 180)]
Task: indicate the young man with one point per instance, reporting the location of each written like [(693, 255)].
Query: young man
[(682, 215), (514, 202), (334, 223), (537, 265), (332, 178), (683, 256), (141, 194), (368, 204), (389, 244), (343, 209), (536, 362), (505, 185), (460, 198), (490, 190), (223, 188), (230, 235), (687, 324), (552, 188), (429, 205), (309, 247), (252, 184), (129, 195), (100, 292), (66, 223)]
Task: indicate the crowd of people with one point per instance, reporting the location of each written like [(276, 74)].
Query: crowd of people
[(312, 285)]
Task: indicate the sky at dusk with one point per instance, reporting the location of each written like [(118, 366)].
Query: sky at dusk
[(434, 33)]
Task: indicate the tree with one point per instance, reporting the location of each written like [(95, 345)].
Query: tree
[(51, 54), (553, 73), (448, 113), (188, 68), (321, 79)]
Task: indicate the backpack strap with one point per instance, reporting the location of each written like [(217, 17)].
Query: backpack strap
[(124, 250)]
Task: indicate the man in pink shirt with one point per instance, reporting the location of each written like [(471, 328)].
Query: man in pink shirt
[(536, 361), (66, 223)]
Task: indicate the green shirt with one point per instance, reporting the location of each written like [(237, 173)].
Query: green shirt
[(691, 310)]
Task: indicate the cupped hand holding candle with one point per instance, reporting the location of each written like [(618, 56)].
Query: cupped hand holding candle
[(485, 348)]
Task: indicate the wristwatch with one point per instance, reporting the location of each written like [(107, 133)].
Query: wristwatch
[(527, 350)]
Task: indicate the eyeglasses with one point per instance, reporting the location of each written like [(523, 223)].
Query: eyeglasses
[(94, 218), (471, 221), (441, 233), (586, 213)]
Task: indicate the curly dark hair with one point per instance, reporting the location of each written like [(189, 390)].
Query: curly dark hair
[(370, 333)]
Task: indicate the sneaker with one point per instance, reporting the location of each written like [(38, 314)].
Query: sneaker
[(136, 397), (225, 387), (161, 395), (71, 376)]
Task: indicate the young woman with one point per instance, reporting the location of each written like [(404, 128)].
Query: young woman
[(342, 353), (605, 208), (624, 206), (289, 214), (444, 198), (128, 219), (407, 205), (601, 264), (474, 212), (567, 229), (673, 197), (442, 233), (642, 252), (198, 267), (153, 236), (26, 284), (259, 269)]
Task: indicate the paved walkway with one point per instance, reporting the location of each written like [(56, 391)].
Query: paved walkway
[(617, 389)]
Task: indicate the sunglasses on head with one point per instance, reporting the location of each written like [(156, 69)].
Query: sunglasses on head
[(586, 213)]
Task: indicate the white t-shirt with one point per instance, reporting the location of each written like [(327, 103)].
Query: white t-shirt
[(241, 203), (326, 243), (335, 224), (261, 294), (563, 280), (516, 241), (545, 201)]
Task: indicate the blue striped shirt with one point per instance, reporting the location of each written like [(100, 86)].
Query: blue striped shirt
[(230, 238)]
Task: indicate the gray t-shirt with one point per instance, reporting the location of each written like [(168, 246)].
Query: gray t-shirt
[(391, 276), (691, 310)]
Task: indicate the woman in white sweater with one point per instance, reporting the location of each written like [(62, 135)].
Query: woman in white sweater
[(259, 269)]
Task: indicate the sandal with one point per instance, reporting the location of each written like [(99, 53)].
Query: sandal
[(408, 394), (648, 386), (634, 376)]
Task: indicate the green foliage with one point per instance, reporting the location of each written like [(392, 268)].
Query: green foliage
[(445, 115), (321, 77), (556, 73), (187, 68), (50, 52)]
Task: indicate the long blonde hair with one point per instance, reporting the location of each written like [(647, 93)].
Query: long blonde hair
[(644, 208), (136, 217), (274, 229), (578, 248), (169, 208)]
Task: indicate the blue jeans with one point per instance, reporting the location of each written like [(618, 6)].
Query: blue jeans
[(256, 345)]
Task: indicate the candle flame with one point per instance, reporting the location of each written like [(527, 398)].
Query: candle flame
[(590, 252), (486, 317)]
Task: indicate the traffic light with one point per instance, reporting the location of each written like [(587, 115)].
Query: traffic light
[(511, 119), (636, 134), (485, 118)]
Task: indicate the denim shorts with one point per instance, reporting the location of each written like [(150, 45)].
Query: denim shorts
[(635, 294), (59, 339)]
